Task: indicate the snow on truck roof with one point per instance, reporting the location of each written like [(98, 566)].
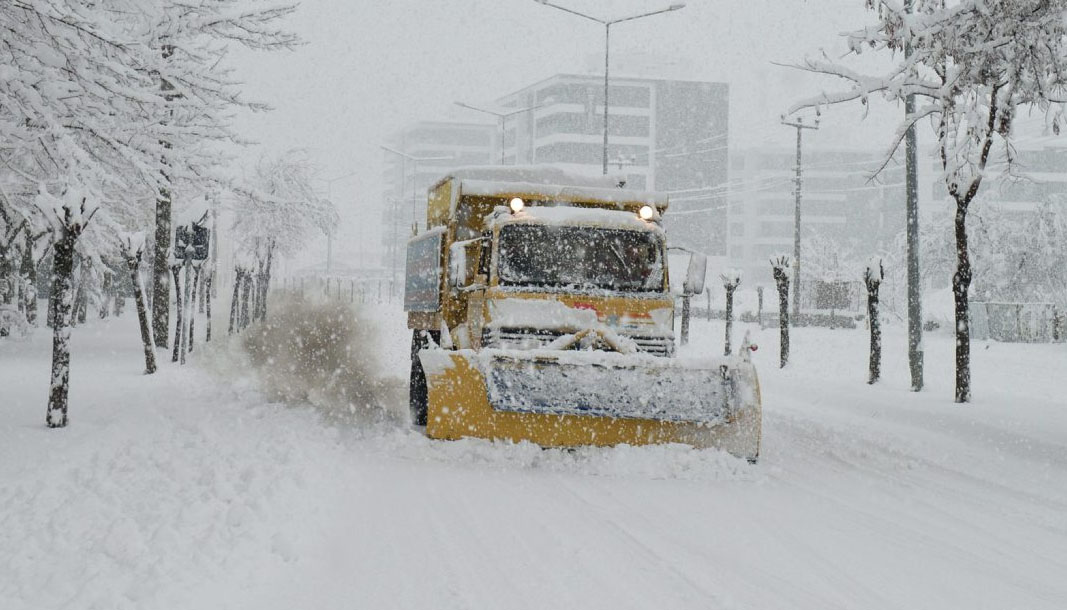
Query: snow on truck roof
[(533, 174), (549, 183), (574, 216)]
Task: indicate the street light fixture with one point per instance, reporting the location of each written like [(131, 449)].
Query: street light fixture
[(329, 234), (607, 35), (800, 126), (503, 117), (414, 174)]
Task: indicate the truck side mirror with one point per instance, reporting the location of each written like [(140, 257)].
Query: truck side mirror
[(457, 265), (694, 277)]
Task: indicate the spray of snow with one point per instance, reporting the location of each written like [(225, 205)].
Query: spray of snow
[(321, 353)]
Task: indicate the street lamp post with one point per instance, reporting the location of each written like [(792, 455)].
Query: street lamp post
[(607, 36), (329, 234), (800, 127), (414, 173), (503, 116)]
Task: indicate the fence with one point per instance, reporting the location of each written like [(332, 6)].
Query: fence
[(350, 290), (1017, 322)]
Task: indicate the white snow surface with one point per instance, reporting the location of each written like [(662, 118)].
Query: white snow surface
[(533, 174), (552, 192), (565, 215), (190, 489)]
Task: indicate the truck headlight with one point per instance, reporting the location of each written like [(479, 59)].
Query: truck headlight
[(517, 204), (646, 212)]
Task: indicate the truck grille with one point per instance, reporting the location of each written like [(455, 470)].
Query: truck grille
[(529, 338)]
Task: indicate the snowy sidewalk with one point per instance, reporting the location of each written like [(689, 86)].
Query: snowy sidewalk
[(190, 490)]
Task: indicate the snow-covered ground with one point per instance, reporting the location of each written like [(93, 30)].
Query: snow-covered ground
[(192, 489)]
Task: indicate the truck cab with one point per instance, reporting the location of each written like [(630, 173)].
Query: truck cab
[(541, 309)]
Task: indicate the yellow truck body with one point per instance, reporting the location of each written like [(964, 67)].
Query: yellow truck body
[(541, 311)]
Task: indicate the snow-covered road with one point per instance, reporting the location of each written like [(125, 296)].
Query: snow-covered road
[(190, 489)]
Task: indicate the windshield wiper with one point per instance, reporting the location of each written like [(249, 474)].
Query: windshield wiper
[(618, 255)]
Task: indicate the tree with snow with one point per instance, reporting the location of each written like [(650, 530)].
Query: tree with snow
[(278, 213), (186, 47), (69, 215), (873, 275), (971, 64)]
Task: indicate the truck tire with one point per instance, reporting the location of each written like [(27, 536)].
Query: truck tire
[(418, 395)]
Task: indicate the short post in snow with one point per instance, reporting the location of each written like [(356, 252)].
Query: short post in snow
[(872, 277), (731, 279), (781, 267)]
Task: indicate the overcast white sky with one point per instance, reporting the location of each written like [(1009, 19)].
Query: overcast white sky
[(369, 67)]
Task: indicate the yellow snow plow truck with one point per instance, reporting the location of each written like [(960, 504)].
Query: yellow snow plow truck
[(541, 310)]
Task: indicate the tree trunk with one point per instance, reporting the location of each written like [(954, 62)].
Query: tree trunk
[(106, 296), (729, 318), (685, 319), (208, 282), (28, 270), (176, 269), (961, 282), (192, 314), (876, 332), (235, 301), (133, 261), (61, 290), (185, 309), (81, 296), (160, 264), (782, 281), (246, 293), (266, 281), (200, 294)]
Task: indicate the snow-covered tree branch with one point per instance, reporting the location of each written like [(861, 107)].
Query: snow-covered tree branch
[(973, 63)]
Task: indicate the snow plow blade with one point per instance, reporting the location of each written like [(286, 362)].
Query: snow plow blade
[(574, 398)]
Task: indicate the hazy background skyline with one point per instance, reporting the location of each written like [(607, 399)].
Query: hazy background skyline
[(369, 68)]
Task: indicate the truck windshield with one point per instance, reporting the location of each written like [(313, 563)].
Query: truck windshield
[(581, 258)]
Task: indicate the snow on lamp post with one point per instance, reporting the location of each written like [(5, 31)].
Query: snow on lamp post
[(872, 277), (607, 23), (781, 267), (731, 279)]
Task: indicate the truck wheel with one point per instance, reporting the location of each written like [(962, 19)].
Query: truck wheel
[(418, 395)]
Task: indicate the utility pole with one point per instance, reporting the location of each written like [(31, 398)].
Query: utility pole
[(915, 323), (800, 126)]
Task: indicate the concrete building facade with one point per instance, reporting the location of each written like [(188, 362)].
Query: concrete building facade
[(845, 216), (425, 151), (664, 135)]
